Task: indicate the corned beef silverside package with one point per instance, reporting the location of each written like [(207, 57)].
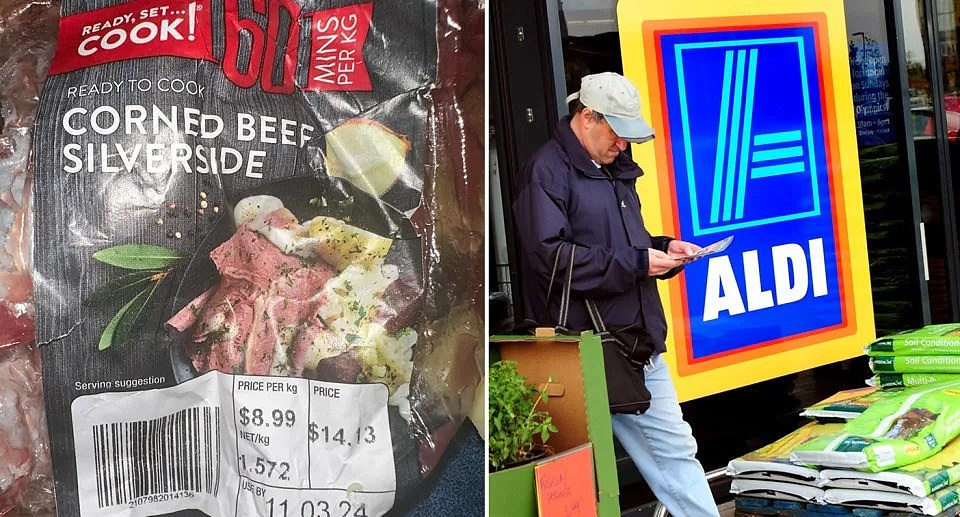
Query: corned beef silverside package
[(257, 252)]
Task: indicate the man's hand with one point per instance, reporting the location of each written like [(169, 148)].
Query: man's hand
[(660, 262), (682, 251)]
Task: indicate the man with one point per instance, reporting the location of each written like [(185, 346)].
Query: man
[(580, 187)]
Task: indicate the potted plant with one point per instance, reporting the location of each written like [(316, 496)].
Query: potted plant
[(518, 432)]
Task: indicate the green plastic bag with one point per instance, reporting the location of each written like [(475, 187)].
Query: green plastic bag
[(846, 405), (933, 504), (941, 339), (919, 479), (891, 433), (772, 462), (916, 364), (886, 381)]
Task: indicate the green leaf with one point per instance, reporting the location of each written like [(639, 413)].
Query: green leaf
[(118, 288), (138, 256), (106, 339), (133, 315)]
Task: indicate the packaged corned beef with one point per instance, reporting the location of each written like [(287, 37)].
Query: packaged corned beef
[(257, 269)]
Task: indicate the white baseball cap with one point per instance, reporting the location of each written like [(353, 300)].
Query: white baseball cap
[(617, 99)]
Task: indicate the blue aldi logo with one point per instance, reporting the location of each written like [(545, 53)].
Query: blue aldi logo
[(748, 146), (751, 128)]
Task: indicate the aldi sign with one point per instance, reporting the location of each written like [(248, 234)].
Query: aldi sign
[(749, 147), (755, 139)]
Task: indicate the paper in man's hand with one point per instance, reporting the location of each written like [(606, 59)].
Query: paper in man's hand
[(710, 249)]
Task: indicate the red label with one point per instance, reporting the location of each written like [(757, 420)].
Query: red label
[(141, 28), (336, 57)]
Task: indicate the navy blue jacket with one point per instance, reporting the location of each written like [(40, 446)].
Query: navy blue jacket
[(562, 196)]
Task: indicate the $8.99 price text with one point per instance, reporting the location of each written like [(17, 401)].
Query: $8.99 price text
[(257, 417)]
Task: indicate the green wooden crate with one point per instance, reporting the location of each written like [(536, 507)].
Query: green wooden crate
[(512, 493), (581, 415)]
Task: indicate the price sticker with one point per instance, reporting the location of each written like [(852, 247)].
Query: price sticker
[(236, 445)]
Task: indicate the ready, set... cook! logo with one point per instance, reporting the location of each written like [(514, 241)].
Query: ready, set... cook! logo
[(178, 28)]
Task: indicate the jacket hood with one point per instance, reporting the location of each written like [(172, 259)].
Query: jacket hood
[(622, 168)]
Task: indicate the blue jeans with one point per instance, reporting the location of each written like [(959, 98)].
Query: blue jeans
[(661, 444)]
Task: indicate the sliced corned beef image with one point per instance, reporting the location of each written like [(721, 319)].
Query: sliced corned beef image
[(311, 296)]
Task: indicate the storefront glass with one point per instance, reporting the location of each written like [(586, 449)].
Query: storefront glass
[(884, 169), (939, 191), (591, 43)]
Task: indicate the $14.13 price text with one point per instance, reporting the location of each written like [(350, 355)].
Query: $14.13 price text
[(328, 434)]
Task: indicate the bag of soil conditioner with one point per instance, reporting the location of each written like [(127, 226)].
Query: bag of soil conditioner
[(943, 339), (258, 226), (891, 433), (919, 479), (916, 364), (886, 381), (847, 404), (933, 504), (776, 490), (772, 462)]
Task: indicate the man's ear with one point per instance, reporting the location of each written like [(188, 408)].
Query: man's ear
[(589, 116)]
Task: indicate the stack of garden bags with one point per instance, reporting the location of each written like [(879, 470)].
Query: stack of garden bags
[(899, 454), (769, 473), (916, 357), (925, 487)]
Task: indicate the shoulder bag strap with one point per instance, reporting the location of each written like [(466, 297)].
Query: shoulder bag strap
[(565, 292), (553, 272), (592, 310), (594, 314)]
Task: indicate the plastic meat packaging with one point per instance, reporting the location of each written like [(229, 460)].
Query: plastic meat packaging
[(258, 252), (27, 38)]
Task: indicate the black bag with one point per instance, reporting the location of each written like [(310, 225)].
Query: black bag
[(625, 350)]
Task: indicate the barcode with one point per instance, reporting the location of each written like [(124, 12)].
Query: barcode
[(179, 452)]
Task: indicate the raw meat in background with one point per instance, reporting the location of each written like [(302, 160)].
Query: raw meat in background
[(28, 33), (26, 483)]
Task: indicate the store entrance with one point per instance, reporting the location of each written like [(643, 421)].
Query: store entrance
[(905, 71), (935, 108)]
